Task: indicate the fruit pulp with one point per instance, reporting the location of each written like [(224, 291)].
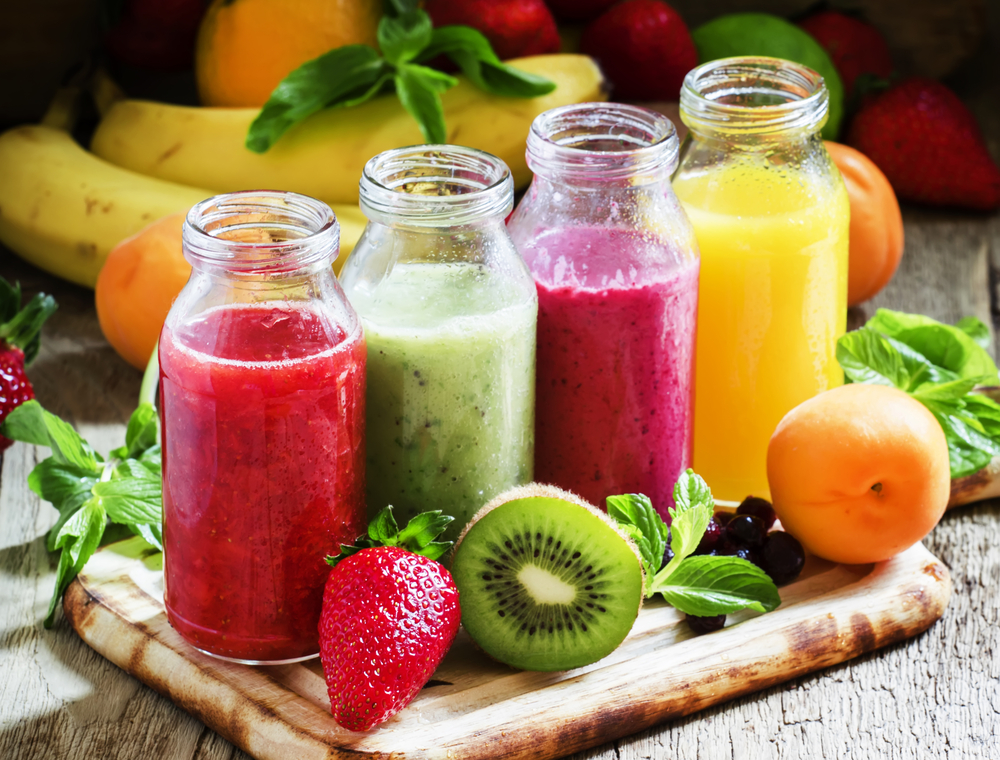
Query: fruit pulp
[(451, 389), (615, 363), (263, 473), (772, 304)]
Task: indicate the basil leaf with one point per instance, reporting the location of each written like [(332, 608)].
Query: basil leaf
[(953, 389), (708, 586), (946, 346), (976, 330), (969, 447), (402, 38), (418, 88), (32, 424), (635, 514), (132, 500), (867, 357), (474, 55), (345, 75)]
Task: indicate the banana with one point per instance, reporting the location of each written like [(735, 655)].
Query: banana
[(324, 156), (63, 209)]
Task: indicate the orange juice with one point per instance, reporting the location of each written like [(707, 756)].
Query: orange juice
[(772, 304)]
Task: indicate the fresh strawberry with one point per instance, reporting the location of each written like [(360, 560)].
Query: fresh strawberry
[(855, 47), (514, 28), (578, 10), (19, 341), (928, 145), (389, 616), (644, 48)]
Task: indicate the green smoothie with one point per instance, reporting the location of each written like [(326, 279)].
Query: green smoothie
[(451, 389)]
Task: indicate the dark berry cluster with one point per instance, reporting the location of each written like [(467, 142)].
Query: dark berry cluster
[(747, 534)]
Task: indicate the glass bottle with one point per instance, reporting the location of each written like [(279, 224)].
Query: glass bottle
[(771, 214), (616, 267), (262, 377), (449, 312)]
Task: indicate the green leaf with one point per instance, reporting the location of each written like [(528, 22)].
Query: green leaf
[(143, 430), (635, 514), (417, 535), (969, 447), (399, 7), (21, 327), (691, 491), (418, 88), (132, 500), (949, 347), (867, 357), (421, 531), (402, 38), (474, 55), (346, 75), (708, 586), (32, 424), (66, 486), (78, 538), (152, 532), (383, 528), (976, 330), (953, 389)]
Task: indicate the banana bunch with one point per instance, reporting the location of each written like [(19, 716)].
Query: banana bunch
[(325, 155)]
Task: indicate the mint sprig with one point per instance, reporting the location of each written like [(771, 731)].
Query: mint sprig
[(939, 365), (350, 75), (93, 495), (417, 535), (700, 585)]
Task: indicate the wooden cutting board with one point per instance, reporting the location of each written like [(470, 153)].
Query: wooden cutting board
[(476, 708)]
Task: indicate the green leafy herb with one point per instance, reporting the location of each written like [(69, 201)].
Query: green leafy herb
[(89, 491), (417, 536), (940, 366), (353, 74), (702, 585)]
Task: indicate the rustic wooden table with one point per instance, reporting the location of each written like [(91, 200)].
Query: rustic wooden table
[(934, 696)]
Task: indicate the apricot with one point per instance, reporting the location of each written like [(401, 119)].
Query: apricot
[(875, 239), (859, 473)]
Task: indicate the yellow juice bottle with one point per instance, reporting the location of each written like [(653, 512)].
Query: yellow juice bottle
[(771, 216)]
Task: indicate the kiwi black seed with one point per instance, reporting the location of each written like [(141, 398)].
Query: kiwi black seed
[(545, 580)]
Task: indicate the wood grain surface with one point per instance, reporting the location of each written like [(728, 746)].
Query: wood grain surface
[(934, 696)]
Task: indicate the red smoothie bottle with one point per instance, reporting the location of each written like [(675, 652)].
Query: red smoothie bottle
[(262, 403), (615, 262)]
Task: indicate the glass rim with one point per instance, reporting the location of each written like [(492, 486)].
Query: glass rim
[(484, 185), (701, 112), (564, 141), (316, 225)]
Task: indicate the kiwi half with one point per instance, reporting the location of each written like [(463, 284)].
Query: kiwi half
[(546, 581)]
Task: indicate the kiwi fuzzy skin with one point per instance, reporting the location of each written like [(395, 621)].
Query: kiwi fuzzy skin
[(532, 490)]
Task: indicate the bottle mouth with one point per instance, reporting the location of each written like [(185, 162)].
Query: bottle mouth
[(754, 95), (261, 231), (602, 142), (435, 186)]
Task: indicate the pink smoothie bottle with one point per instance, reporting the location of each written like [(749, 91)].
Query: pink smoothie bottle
[(262, 403), (616, 263)]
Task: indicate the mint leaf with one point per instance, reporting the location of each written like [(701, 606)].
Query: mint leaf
[(32, 424), (78, 538), (690, 492), (402, 38), (708, 586), (976, 330), (418, 88), (66, 486), (635, 514), (345, 76), (474, 55), (133, 500)]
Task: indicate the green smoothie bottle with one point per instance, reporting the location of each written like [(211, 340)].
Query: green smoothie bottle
[(449, 311)]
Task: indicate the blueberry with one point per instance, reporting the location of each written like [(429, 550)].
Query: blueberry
[(758, 507), (746, 530), (723, 517), (702, 625), (782, 557), (710, 539)]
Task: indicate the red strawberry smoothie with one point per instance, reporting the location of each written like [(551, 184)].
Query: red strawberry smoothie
[(263, 473), (615, 363)]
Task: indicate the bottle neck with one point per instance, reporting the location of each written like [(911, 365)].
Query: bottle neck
[(753, 101), (261, 235), (600, 145)]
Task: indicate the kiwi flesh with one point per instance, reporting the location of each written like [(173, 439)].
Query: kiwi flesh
[(546, 581)]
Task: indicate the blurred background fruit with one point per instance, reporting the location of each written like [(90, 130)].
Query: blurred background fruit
[(155, 34), (246, 47), (763, 34), (855, 47), (876, 236), (515, 28), (644, 48), (578, 10)]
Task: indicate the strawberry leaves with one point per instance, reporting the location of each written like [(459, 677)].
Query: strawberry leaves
[(353, 74), (417, 536), (21, 327)]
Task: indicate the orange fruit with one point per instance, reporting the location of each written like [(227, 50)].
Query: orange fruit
[(137, 285), (875, 241), (246, 47), (859, 473)]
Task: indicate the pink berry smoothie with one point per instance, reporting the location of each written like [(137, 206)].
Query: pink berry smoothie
[(615, 393)]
